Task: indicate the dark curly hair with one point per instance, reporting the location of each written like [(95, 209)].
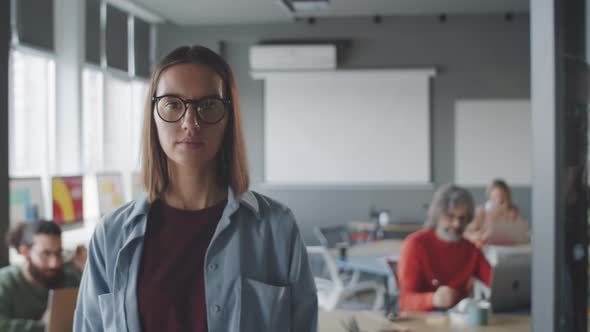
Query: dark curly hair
[(22, 233)]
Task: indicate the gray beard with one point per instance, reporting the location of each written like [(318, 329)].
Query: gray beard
[(446, 236)]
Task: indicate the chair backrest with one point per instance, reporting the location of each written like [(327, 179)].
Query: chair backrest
[(392, 263), (332, 236), (323, 265), (327, 281)]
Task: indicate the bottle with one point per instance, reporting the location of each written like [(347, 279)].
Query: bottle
[(374, 220)]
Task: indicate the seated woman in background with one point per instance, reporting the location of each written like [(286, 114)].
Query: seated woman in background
[(498, 209)]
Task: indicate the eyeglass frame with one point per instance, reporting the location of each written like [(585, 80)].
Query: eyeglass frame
[(45, 255), (194, 102), (463, 220)]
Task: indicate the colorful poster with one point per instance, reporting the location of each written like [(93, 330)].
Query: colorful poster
[(110, 192), (26, 199), (68, 199)]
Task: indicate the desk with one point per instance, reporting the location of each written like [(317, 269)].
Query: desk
[(393, 230), (370, 258), (382, 248), (374, 322), (371, 264)]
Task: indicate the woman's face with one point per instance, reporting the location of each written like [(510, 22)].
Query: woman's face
[(498, 197), (189, 142)]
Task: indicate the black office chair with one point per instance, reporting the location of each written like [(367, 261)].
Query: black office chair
[(392, 301)]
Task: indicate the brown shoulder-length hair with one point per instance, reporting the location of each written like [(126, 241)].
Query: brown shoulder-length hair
[(232, 166), (502, 185)]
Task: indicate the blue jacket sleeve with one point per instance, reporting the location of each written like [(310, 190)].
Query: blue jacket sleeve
[(304, 303), (87, 316)]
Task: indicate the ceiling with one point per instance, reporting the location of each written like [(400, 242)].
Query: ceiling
[(207, 12)]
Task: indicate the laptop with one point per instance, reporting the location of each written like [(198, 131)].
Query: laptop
[(502, 232), (511, 283), (61, 305)]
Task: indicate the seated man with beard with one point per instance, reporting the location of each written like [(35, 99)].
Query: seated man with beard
[(436, 265), (24, 289)]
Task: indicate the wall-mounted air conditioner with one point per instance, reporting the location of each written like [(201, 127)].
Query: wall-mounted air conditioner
[(292, 57)]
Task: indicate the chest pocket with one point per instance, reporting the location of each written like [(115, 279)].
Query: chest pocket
[(107, 312), (265, 307)]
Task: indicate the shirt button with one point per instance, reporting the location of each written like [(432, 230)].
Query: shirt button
[(216, 308), (212, 267)]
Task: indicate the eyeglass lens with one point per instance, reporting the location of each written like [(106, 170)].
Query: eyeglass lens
[(209, 110)]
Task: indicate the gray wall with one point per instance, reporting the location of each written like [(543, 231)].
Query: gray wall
[(476, 57)]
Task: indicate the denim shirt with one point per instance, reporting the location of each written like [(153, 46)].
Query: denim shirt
[(257, 276)]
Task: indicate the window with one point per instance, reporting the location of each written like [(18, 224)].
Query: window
[(123, 112), (112, 98), (117, 123), (139, 93), (112, 123), (32, 111), (124, 105), (31, 116), (92, 105)]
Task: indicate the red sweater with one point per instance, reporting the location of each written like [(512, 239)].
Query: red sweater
[(427, 262)]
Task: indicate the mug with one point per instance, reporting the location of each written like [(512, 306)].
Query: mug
[(477, 313)]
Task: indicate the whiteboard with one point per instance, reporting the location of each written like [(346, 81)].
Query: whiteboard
[(347, 127), (493, 138)]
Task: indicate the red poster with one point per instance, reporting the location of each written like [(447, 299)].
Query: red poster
[(67, 199)]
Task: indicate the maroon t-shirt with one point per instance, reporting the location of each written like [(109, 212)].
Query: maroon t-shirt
[(171, 285)]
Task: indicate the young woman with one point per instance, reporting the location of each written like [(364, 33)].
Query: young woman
[(498, 208), (200, 252)]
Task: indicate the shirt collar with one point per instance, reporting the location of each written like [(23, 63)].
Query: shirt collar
[(248, 199)]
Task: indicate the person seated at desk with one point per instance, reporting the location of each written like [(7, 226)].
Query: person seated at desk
[(497, 208), (24, 289), (436, 264)]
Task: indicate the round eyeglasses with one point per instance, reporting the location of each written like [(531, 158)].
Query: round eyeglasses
[(209, 109)]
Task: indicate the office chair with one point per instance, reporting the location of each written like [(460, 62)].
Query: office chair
[(332, 291), (392, 264), (394, 287), (332, 236)]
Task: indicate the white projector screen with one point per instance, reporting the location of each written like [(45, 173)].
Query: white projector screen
[(493, 139), (347, 127)]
